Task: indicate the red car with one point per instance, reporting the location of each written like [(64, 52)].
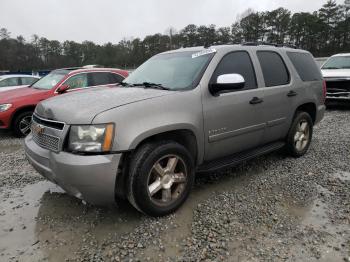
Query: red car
[(17, 106)]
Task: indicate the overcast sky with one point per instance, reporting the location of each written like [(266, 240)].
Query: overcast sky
[(104, 21)]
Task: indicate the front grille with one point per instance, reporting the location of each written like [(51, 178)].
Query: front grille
[(46, 141), (48, 123), (338, 88), (338, 85), (41, 131)]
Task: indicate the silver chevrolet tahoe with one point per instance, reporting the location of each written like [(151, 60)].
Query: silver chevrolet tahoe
[(181, 113)]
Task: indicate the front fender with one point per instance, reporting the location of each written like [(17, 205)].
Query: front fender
[(139, 121)]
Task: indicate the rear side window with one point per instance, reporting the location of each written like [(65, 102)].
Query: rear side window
[(13, 81), (28, 80), (306, 66), (274, 69), (237, 63), (101, 78)]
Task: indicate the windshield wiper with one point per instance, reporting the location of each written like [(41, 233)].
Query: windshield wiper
[(331, 67), (125, 84), (152, 85)]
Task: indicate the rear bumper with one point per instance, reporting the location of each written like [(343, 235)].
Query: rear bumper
[(321, 109), (91, 178)]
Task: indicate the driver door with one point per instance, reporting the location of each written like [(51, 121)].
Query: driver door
[(233, 121)]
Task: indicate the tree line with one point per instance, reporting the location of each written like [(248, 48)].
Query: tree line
[(323, 32)]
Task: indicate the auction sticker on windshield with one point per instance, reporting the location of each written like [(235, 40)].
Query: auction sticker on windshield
[(204, 52)]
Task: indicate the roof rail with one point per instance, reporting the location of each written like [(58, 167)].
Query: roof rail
[(69, 68), (268, 44), (250, 43)]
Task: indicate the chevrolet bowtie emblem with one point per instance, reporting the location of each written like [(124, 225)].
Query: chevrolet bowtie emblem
[(39, 129)]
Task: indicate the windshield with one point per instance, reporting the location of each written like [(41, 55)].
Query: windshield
[(338, 62), (49, 81), (175, 71)]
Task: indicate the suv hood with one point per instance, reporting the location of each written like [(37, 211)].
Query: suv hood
[(82, 107), (334, 73)]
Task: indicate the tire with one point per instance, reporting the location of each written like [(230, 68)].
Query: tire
[(162, 190), (300, 135), (21, 124)]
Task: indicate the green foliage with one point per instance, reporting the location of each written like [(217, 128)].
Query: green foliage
[(324, 32)]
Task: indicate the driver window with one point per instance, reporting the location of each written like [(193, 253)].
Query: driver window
[(237, 63), (77, 81)]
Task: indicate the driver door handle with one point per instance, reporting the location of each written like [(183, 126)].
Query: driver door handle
[(292, 93), (256, 100)]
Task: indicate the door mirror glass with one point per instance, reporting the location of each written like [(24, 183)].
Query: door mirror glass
[(227, 83), (62, 89)]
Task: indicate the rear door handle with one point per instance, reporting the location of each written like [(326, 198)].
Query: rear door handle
[(256, 100), (292, 93)]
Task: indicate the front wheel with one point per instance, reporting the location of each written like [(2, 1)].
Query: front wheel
[(300, 135), (161, 178), (21, 124)]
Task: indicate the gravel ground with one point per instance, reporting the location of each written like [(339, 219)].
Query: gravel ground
[(274, 208)]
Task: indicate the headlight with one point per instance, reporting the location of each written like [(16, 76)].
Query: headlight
[(91, 138), (5, 107)]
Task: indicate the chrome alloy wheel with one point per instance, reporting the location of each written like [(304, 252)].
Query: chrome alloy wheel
[(302, 135), (24, 125), (167, 180)]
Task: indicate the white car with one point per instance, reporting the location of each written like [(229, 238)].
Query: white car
[(9, 82), (336, 72)]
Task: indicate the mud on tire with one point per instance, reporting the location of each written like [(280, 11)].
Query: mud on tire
[(161, 177)]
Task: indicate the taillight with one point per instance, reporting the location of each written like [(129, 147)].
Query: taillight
[(324, 91)]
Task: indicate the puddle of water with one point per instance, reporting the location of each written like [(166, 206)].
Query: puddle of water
[(315, 216), (17, 220), (41, 221), (343, 176)]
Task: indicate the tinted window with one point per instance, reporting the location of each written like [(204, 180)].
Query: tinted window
[(274, 69), (77, 81), (13, 81), (237, 63), (305, 65), (102, 78), (116, 78), (28, 80)]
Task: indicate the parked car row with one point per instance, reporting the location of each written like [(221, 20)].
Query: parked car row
[(182, 112), (17, 106), (10, 82)]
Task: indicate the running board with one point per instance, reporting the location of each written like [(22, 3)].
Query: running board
[(238, 158)]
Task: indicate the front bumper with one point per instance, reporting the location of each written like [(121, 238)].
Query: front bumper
[(91, 178), (5, 118), (338, 89)]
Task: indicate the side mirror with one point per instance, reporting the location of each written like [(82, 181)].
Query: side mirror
[(227, 83), (62, 89)]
